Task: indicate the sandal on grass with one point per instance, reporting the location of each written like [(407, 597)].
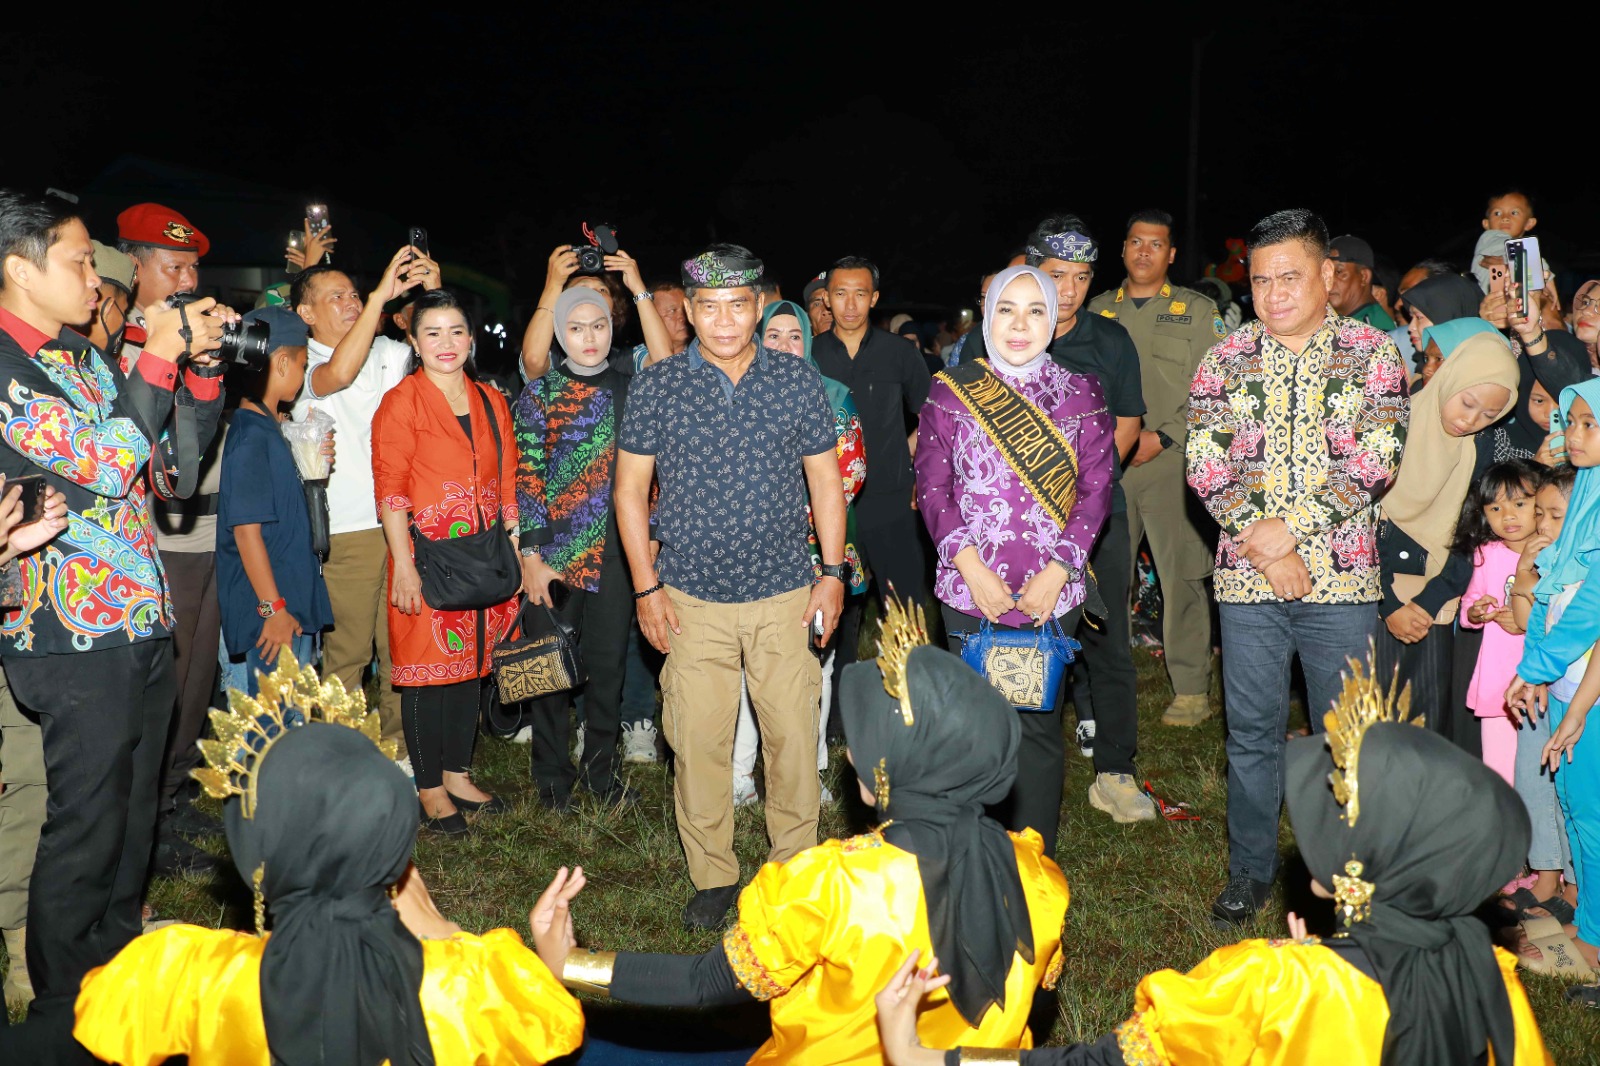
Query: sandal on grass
[(1558, 908), (1585, 996), (1558, 955), (1523, 902)]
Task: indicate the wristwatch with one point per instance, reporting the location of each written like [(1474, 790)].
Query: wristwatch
[(268, 608), (528, 550), (838, 571), (641, 297)]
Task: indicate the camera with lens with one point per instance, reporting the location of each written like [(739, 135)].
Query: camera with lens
[(602, 242), (247, 344)]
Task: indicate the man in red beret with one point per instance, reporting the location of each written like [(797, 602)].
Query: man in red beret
[(167, 247)]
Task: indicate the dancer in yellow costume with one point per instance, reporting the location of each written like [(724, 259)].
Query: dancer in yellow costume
[(1412, 835), (323, 823), (817, 936)]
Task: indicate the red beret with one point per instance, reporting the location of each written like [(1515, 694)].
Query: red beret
[(162, 227)]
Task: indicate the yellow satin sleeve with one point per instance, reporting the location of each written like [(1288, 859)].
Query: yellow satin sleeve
[(184, 990), (818, 936), (1277, 1003)]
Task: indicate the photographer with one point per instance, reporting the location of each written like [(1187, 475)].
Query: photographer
[(349, 369), (562, 274), (164, 251), (91, 657)]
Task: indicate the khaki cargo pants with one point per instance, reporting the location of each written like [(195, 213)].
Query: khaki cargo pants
[(768, 641)]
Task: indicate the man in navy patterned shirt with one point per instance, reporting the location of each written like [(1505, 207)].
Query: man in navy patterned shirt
[(738, 437)]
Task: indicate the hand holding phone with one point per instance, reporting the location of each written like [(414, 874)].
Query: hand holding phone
[(33, 490), (1525, 270), (1558, 435), (317, 220)]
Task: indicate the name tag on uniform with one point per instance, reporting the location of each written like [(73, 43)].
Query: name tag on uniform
[(1179, 320)]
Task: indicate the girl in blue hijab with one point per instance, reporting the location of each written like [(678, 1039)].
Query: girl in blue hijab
[(1563, 629)]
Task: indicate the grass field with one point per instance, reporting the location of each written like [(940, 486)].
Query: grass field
[(1140, 894)]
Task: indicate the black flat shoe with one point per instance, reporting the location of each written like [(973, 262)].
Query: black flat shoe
[(492, 805), (452, 825), (709, 907)]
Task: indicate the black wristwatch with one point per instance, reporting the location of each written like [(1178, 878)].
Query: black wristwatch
[(838, 571), (1166, 441)]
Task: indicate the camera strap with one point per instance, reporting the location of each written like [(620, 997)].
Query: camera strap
[(176, 469)]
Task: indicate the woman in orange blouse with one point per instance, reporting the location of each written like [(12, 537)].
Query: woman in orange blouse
[(444, 459)]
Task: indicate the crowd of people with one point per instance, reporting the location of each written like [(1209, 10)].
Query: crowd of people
[(1348, 465)]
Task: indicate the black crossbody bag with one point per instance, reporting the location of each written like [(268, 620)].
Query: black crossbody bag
[(472, 572)]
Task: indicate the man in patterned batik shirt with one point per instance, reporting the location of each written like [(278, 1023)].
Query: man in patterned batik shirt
[(1296, 422), (89, 651), (738, 436)]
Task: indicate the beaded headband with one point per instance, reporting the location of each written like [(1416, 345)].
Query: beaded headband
[(708, 270)]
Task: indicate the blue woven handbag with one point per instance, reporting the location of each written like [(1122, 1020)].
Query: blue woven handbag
[(1027, 668)]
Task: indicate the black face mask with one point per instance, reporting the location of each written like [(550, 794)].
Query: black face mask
[(113, 337)]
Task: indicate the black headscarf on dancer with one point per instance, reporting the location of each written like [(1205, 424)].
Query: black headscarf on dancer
[(1427, 833), (934, 754), (333, 826)]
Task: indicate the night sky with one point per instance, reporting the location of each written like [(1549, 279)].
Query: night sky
[(927, 143)]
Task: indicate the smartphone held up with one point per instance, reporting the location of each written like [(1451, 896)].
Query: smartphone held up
[(317, 221), (1525, 270)]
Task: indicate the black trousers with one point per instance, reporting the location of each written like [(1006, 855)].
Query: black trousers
[(1426, 667), (1034, 801), (1467, 730), (192, 579), (441, 724), (103, 717), (892, 550), (1106, 689), (603, 620)]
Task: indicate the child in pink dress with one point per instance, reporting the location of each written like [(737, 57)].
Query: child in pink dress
[(1497, 520)]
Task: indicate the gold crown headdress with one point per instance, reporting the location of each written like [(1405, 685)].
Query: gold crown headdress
[(290, 696), (903, 629), (1363, 702)]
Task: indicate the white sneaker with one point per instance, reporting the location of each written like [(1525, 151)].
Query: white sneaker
[(523, 735), (404, 762), (577, 746), (639, 742), (744, 792), (1086, 739)]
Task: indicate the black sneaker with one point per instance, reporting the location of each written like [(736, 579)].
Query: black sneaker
[(190, 821), (175, 857), (1240, 900), (618, 795), (709, 907), (555, 799)]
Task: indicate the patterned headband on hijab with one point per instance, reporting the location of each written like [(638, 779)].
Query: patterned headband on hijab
[(1069, 247), (713, 270)]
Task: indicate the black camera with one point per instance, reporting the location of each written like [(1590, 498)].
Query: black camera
[(602, 242), (247, 344)]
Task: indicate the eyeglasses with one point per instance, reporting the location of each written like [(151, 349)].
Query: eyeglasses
[(1585, 304)]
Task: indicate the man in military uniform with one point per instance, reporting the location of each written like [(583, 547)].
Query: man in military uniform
[(1173, 328)]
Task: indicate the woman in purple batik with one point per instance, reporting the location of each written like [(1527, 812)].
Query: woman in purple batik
[(1007, 553)]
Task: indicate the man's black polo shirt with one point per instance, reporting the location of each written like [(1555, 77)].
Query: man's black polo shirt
[(888, 381), (1094, 345)]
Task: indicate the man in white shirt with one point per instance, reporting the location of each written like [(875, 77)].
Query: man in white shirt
[(349, 367)]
